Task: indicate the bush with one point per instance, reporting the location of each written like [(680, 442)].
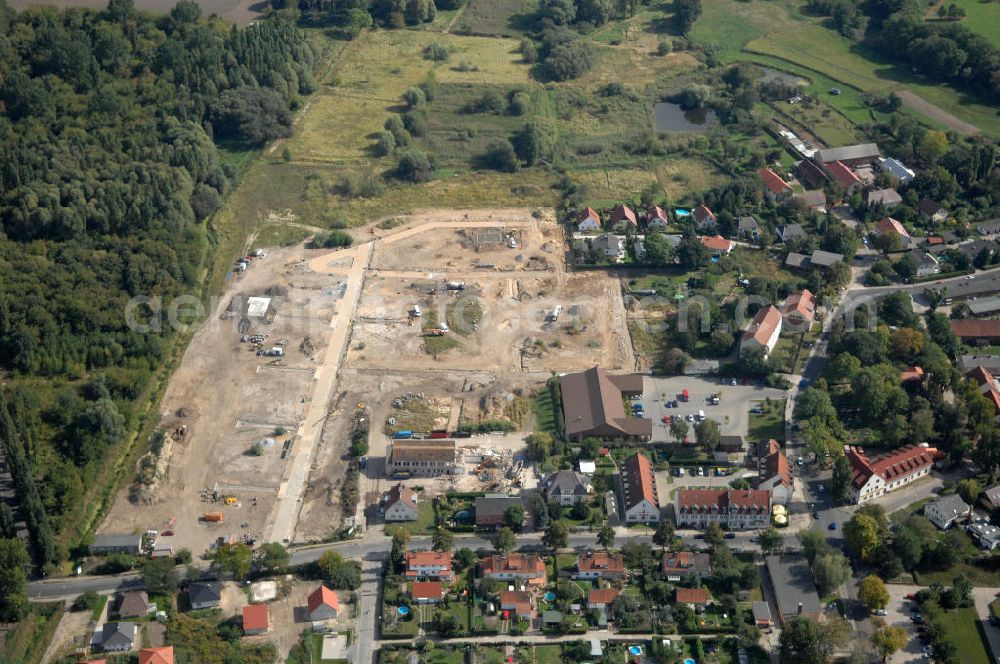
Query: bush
[(331, 240), (436, 52), (567, 61), (663, 48), (394, 124), (520, 101), (86, 602), (415, 97), (501, 156), (528, 51), (415, 122), (414, 166), (385, 143)]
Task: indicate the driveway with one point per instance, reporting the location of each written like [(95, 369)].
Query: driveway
[(983, 597), (732, 413)]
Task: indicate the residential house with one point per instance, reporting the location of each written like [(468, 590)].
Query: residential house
[(131, 604), (421, 458), (491, 509), (256, 619), (593, 406), (599, 565), (205, 594), (890, 226), (400, 504), (737, 509), (799, 310), (639, 247), (977, 332), (748, 229), (116, 543), (656, 218), (985, 306), (566, 487), (871, 478), (323, 604), (790, 232), (967, 363), (763, 330), (766, 448), (623, 219), (775, 186), (797, 261), (888, 198), (679, 564), (776, 478), (989, 497), (601, 598), (642, 505), (912, 375), (762, 615), (428, 565), (931, 211), (526, 568), (927, 264), (588, 220), (988, 386), (947, 510), (793, 587), (118, 636), (428, 592), (844, 177), (825, 259), (852, 155), (612, 246), (809, 173), (520, 603), (986, 535), (896, 169), (704, 218), (691, 596), (716, 244), (814, 199), (158, 655)]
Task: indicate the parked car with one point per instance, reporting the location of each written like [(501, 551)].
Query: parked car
[(832, 526), (730, 536), (881, 612)]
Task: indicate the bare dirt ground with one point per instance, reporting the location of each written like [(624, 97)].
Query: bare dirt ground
[(237, 11), (932, 110)]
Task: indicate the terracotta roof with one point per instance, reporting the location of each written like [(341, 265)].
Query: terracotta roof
[(400, 493), (889, 225), (428, 590), (774, 182), (890, 467), (703, 212), (716, 242), (602, 596), (912, 373), (656, 212), (323, 596), (691, 596), (935, 240), (519, 599), (437, 559), (256, 616), (970, 328), (763, 325), (720, 500), (588, 213), (592, 403), (767, 448), (686, 562), (842, 175), (514, 563), (802, 303), (639, 481), (623, 212), (600, 561), (94, 661), (160, 655), (776, 465)]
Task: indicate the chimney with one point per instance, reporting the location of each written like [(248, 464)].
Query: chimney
[(800, 608)]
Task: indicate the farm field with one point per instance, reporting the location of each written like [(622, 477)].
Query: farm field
[(982, 16)]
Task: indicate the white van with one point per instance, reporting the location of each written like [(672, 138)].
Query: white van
[(701, 415)]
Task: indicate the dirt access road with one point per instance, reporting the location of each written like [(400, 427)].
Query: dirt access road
[(921, 105)]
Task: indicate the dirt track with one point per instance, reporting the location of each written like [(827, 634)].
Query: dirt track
[(921, 105)]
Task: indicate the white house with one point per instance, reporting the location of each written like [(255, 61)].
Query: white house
[(945, 511), (400, 504), (612, 246), (871, 478), (763, 331), (588, 220)]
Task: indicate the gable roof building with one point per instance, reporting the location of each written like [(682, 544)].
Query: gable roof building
[(947, 510), (256, 619), (717, 244), (849, 154), (491, 509), (428, 592), (656, 217), (988, 386), (825, 259), (691, 596), (763, 330), (776, 477), (601, 598), (115, 543), (204, 594), (526, 567), (703, 216), (428, 564), (774, 185), (931, 210), (421, 458), (593, 406), (612, 246), (977, 331), (623, 217), (814, 199), (990, 497), (800, 309), (790, 232), (642, 505), (159, 655), (794, 588), (890, 198), (843, 176), (896, 169), (808, 172), (796, 260), (118, 636), (588, 220), (747, 228), (890, 226), (566, 487), (132, 604), (599, 565), (400, 504), (738, 509), (677, 565), (871, 478), (323, 604), (519, 602)]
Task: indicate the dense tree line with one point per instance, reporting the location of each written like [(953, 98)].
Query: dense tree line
[(353, 16), (108, 171)]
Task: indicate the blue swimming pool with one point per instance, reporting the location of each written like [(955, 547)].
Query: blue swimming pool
[(635, 650), (403, 610), (681, 212), (549, 596), (689, 661)]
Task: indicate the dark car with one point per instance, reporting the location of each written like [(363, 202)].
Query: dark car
[(832, 526), (730, 536), (699, 536), (815, 515)]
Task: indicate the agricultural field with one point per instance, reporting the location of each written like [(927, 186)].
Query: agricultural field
[(982, 16), (495, 18)]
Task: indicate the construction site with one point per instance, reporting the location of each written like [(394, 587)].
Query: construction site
[(444, 321)]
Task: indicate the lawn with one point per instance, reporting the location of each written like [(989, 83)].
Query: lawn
[(904, 513), (980, 577), (424, 525), (551, 654), (541, 408), (981, 17), (26, 641), (964, 630), (769, 424)]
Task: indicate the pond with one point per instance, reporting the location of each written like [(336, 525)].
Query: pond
[(671, 117), (783, 76)]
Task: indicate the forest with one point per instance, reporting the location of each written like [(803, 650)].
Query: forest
[(109, 171)]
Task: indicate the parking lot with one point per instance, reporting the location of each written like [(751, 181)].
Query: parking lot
[(899, 614), (732, 412)]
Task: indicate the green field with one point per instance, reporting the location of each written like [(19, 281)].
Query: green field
[(770, 424), (501, 18), (963, 629), (981, 16)]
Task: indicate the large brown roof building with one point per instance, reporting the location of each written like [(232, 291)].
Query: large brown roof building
[(421, 458), (871, 478), (642, 505), (738, 509), (593, 406)]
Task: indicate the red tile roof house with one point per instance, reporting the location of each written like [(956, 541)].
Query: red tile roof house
[(872, 478), (717, 244), (160, 655), (642, 505), (256, 619), (428, 565), (623, 218), (988, 386), (704, 217), (526, 567), (686, 563), (912, 375), (986, 332), (427, 592), (775, 186), (800, 310), (843, 176), (889, 226), (602, 598), (656, 218), (323, 604), (588, 220), (519, 602), (599, 565), (739, 509), (763, 331), (777, 478), (691, 596)]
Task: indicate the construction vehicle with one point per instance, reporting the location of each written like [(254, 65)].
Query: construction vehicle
[(455, 285), (212, 517), (435, 332), (416, 311), (553, 316), (230, 500)]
